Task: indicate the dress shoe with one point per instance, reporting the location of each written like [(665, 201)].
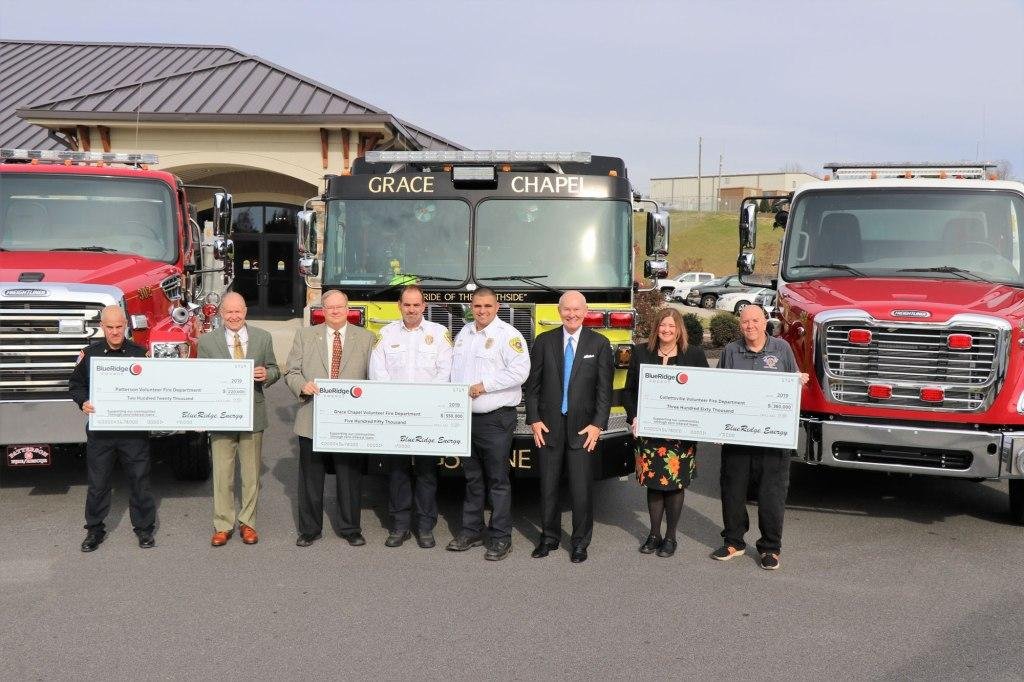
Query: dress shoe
[(396, 539), (146, 539), (93, 539), (220, 538), (461, 543), (651, 544), (355, 539), (426, 540), (249, 534), (498, 550), (579, 554), (543, 548), (668, 548), (306, 540)]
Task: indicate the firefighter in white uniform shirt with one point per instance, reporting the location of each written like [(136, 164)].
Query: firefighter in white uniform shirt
[(491, 356), (412, 350)]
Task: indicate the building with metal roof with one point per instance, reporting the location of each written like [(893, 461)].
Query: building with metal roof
[(214, 115)]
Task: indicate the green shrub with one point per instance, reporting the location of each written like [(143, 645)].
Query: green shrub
[(647, 304), (724, 327), (694, 329)]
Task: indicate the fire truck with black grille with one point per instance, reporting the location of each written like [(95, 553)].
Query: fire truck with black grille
[(529, 225), (80, 231), (901, 292)]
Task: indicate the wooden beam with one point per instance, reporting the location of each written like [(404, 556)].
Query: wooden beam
[(324, 136), (344, 151), (104, 137), (71, 135), (84, 143), (370, 141)]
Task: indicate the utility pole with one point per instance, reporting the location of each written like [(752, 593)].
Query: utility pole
[(718, 194), (700, 149)]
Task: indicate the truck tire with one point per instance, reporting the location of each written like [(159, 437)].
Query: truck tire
[(1017, 500), (708, 301), (190, 456)]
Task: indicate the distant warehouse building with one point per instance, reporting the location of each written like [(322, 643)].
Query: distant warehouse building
[(722, 193)]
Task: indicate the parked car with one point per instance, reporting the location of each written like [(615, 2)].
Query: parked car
[(766, 299), (738, 300), (676, 288), (706, 295)]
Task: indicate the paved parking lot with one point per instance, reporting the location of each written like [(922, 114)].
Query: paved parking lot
[(883, 577)]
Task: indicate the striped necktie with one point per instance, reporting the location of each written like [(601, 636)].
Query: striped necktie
[(336, 355), (239, 353)]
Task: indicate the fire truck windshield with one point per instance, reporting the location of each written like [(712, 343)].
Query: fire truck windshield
[(944, 233), (378, 242), (576, 243), (66, 212)]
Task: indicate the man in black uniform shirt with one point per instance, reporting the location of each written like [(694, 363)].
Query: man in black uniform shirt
[(103, 446)]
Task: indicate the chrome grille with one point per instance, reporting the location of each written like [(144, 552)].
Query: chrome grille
[(36, 359), (451, 316), (908, 357)]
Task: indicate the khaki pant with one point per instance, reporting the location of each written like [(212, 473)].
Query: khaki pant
[(224, 447)]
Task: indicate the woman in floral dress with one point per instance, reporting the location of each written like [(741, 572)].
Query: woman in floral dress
[(664, 466)]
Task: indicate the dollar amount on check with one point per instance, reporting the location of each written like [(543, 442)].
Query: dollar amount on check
[(170, 394), (719, 405), (386, 418)]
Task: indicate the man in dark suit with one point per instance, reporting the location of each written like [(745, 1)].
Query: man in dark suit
[(238, 340), (568, 398), (333, 350)]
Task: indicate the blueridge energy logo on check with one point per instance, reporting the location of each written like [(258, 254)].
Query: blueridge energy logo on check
[(680, 378), (134, 369), (354, 391)]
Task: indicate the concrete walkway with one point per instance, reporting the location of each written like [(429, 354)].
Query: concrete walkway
[(282, 331)]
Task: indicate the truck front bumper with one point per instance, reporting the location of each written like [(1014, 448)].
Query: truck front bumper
[(928, 450), (44, 421)]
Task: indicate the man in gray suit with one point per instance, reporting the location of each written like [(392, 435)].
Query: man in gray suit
[(238, 340), (333, 350)]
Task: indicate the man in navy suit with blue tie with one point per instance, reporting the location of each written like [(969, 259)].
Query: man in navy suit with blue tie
[(568, 398)]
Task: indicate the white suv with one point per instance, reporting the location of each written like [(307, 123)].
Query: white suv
[(679, 286)]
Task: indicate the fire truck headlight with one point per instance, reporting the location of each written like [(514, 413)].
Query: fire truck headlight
[(169, 349)]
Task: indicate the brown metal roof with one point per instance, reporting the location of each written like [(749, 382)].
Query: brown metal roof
[(83, 82)]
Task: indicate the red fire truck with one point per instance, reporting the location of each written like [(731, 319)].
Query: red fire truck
[(80, 231), (901, 292)]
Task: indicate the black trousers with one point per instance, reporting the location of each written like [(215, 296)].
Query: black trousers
[(402, 493), (491, 445), (101, 450), (768, 469), (348, 474), (553, 457)]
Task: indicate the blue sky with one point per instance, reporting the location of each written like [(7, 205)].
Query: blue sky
[(766, 84)]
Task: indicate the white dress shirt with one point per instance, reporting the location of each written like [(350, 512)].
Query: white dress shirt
[(423, 354), (575, 336), (243, 336), (495, 356)]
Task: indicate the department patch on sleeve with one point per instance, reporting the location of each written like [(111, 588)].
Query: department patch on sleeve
[(516, 343)]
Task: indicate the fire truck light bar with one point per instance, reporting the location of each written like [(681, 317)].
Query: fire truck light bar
[(491, 156), (879, 171), (59, 156)]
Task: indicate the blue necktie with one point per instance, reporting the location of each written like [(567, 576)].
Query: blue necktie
[(570, 354)]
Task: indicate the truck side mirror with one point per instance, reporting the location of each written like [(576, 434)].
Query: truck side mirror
[(781, 218), (221, 213), (657, 237), (309, 266), (655, 269), (745, 263), (306, 221), (748, 224)]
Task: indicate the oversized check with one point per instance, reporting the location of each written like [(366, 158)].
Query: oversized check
[(391, 418), (170, 394), (735, 406)]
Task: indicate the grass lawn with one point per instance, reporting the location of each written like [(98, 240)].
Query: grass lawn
[(709, 242)]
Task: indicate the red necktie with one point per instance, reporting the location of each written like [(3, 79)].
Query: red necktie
[(336, 355)]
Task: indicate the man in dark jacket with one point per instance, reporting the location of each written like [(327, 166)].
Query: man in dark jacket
[(102, 447), (568, 398)]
